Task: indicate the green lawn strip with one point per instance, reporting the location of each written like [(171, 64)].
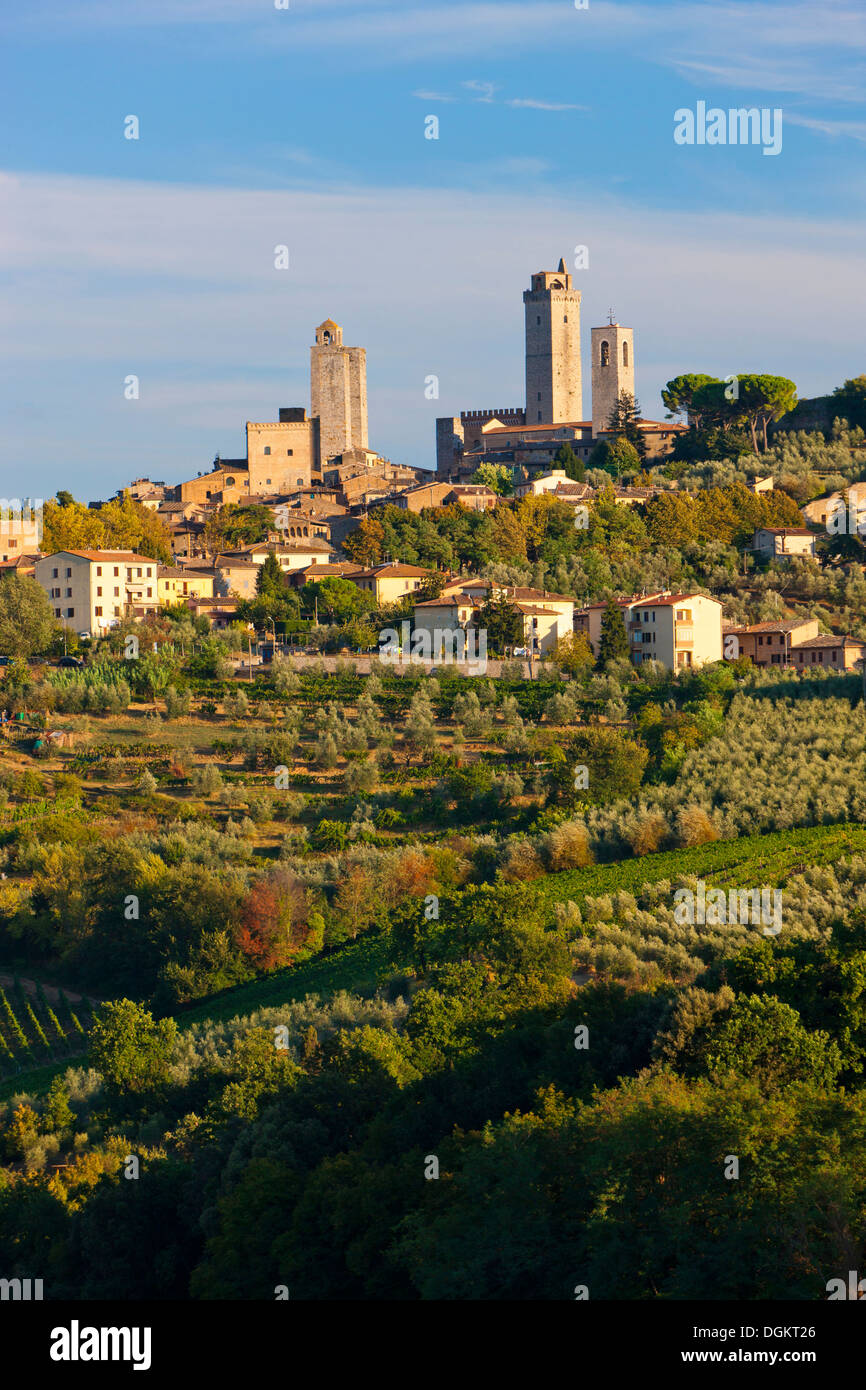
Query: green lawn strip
[(35, 1081), (751, 861), (360, 968)]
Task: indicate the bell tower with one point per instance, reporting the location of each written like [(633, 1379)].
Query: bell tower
[(612, 369)]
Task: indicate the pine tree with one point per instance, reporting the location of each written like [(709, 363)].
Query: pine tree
[(614, 638), (623, 422), (566, 458)]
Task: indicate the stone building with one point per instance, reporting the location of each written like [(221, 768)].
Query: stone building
[(338, 390), (612, 350), (284, 454), (554, 389)]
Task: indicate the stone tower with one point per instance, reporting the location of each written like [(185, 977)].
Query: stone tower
[(338, 390), (553, 381), (612, 370)]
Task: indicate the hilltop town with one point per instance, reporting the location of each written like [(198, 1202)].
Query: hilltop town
[(315, 501)]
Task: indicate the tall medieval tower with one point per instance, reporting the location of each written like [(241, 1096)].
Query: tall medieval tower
[(338, 388), (553, 381), (612, 370)]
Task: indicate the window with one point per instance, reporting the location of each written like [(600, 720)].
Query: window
[(55, 574), (539, 416), (99, 591), (150, 593), (605, 353), (267, 480), (98, 612), (13, 545), (98, 570), (138, 573), (539, 395), (625, 354), (301, 484), (70, 612), (116, 611), (69, 574), (69, 593), (565, 318), (116, 590), (57, 613), (149, 571), (267, 451), (538, 318), (116, 573), (290, 453)]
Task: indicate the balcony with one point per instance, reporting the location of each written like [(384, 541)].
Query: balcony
[(685, 636)]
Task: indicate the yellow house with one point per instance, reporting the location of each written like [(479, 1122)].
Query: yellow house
[(679, 630), (389, 583), (91, 590), (174, 584)]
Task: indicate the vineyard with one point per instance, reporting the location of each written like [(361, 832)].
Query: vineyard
[(35, 1033)]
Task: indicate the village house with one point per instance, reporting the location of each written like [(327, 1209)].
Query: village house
[(178, 582), (779, 541), (794, 642), (92, 590), (770, 644), (390, 582), (837, 653), (678, 630), (546, 617)]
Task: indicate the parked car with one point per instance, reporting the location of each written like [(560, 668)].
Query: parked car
[(75, 661), (521, 651), (84, 636)]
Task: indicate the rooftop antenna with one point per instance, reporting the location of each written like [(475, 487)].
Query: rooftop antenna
[(610, 318)]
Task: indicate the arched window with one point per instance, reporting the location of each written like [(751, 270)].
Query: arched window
[(605, 353), (300, 482), (230, 482), (625, 354), (326, 338)]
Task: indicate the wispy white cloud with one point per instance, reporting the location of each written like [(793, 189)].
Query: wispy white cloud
[(485, 90), (544, 105), (855, 130)]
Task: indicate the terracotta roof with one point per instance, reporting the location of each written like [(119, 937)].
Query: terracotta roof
[(830, 641), (671, 599), (108, 557), (783, 531), (790, 625)]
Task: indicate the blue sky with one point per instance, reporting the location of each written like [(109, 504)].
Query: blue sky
[(305, 126)]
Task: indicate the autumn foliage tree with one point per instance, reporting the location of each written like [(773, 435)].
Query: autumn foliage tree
[(274, 921)]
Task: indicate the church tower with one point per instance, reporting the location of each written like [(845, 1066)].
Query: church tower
[(338, 390), (612, 370), (553, 380)]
